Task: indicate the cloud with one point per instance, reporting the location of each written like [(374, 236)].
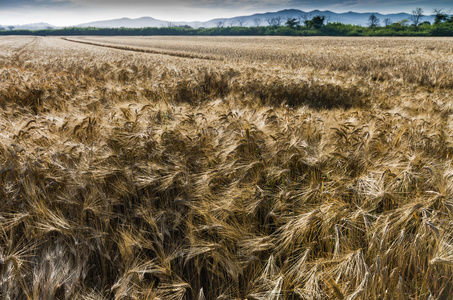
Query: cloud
[(18, 4), (168, 3), (382, 4), (230, 4)]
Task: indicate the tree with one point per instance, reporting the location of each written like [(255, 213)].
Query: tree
[(387, 22), (403, 22), (220, 23), (275, 22), (373, 21), (316, 23), (440, 16), (303, 18), (241, 22), (270, 21), (328, 19), (417, 15), (292, 22), (257, 22)]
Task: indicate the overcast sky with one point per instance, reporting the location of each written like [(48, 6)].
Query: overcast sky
[(72, 12)]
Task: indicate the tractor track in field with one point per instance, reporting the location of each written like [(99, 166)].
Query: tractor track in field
[(149, 51)]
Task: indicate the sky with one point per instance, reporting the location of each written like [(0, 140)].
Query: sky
[(73, 12)]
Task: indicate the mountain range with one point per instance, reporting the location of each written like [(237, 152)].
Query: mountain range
[(260, 19), (34, 26)]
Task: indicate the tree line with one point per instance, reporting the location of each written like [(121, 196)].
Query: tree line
[(301, 26)]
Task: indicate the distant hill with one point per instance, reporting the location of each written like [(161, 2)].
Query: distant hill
[(261, 19), (34, 26), (138, 23), (126, 22)]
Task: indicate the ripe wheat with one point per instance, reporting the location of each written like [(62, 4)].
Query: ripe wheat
[(226, 168)]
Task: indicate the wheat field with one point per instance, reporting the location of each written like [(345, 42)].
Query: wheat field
[(226, 168)]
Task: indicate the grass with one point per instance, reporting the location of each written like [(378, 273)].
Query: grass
[(278, 168)]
